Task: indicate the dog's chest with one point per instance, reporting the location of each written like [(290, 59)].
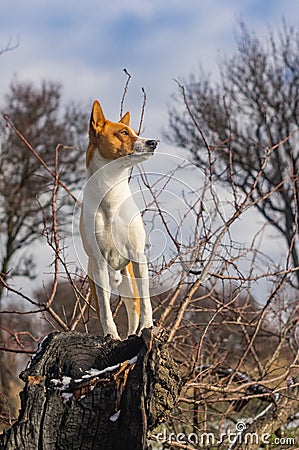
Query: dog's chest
[(119, 231), (113, 227)]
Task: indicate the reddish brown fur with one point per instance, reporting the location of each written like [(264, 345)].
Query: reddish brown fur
[(112, 140), (136, 298)]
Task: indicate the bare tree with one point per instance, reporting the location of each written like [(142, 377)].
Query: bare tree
[(238, 357), (41, 117), (253, 108), (38, 113)]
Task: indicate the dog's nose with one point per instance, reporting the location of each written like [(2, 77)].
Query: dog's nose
[(152, 143)]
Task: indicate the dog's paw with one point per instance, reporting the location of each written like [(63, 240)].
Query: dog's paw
[(112, 337)]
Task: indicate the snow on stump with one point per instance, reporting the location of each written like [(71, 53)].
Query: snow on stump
[(87, 392)]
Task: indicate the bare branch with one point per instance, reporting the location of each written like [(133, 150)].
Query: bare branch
[(125, 92), (142, 111), (10, 46), (37, 156)]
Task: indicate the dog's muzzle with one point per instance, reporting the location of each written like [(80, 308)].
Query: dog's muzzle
[(143, 145), (151, 144)]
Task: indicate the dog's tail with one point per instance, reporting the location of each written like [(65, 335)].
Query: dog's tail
[(136, 296), (131, 298)]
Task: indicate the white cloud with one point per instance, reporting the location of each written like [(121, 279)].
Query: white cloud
[(79, 42)]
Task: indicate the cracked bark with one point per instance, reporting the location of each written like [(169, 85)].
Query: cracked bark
[(111, 407)]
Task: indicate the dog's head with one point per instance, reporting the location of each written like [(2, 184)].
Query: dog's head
[(116, 139)]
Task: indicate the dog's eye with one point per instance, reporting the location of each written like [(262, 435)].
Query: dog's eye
[(125, 132)]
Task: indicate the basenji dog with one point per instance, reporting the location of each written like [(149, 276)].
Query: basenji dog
[(111, 225)]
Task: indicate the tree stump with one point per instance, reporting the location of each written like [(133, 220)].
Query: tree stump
[(87, 392)]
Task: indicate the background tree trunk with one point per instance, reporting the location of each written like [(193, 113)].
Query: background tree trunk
[(86, 392)]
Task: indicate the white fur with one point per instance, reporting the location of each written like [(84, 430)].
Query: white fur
[(113, 234)]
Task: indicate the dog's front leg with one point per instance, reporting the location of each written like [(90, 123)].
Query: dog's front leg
[(100, 277), (141, 274)]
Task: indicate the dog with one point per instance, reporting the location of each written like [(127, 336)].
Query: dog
[(111, 225)]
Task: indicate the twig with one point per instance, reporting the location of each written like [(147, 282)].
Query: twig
[(183, 90), (54, 226), (9, 47), (37, 156), (142, 110), (125, 92)]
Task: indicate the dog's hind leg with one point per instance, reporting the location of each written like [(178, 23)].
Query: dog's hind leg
[(100, 289), (130, 295)]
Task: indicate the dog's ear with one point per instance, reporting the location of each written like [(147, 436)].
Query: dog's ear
[(125, 119), (97, 119)]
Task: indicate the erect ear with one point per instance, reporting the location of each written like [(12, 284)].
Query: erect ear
[(97, 119), (125, 119)]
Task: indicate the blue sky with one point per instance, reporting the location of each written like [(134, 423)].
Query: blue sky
[(86, 44)]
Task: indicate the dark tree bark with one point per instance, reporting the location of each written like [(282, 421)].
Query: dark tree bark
[(132, 388)]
